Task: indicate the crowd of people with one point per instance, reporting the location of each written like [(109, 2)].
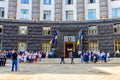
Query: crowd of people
[(88, 56), (93, 56), (25, 56), (33, 56), (22, 56), (2, 59)]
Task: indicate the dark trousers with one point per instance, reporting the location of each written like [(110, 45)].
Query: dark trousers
[(62, 61), (105, 59), (14, 65), (0, 62), (72, 62), (4, 61)]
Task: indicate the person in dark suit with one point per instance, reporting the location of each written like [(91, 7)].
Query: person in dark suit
[(14, 60), (4, 59), (62, 60), (72, 56)]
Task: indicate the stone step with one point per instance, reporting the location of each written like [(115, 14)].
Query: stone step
[(68, 60)]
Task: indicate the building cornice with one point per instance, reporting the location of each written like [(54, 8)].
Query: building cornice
[(60, 22)]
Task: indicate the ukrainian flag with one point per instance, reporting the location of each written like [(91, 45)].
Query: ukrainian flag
[(51, 41), (80, 38), (55, 37), (78, 42)]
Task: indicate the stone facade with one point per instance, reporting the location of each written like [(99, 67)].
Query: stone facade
[(34, 38)]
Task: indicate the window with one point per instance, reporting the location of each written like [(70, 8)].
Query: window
[(0, 45), (69, 15), (22, 30), (92, 30), (93, 45), (91, 14), (47, 15), (46, 30), (117, 45), (24, 14), (69, 1), (46, 47), (115, 12), (25, 1), (1, 29), (2, 12), (22, 46), (116, 28), (91, 1), (48, 2)]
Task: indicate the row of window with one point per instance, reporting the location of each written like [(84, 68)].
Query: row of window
[(69, 14), (23, 30), (92, 30), (93, 45), (48, 2), (92, 13), (22, 46), (46, 14)]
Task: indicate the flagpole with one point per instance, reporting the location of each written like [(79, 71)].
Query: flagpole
[(81, 40)]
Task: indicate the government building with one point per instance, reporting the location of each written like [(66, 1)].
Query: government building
[(31, 24)]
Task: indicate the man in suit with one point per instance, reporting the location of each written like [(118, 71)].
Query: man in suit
[(62, 59)]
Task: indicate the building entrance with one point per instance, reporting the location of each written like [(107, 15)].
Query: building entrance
[(68, 47)]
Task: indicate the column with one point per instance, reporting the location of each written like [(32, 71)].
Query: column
[(103, 9), (58, 10), (12, 9), (80, 10), (36, 10)]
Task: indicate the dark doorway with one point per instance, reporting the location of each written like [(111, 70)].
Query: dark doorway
[(68, 47)]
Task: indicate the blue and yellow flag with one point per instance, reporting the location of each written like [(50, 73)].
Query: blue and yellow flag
[(78, 42), (51, 41), (55, 37), (80, 38)]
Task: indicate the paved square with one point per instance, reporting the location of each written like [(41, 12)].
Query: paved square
[(39, 71)]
